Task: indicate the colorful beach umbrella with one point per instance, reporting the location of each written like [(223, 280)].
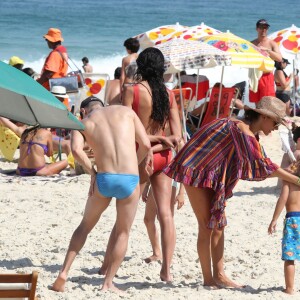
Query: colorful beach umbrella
[(159, 35), (194, 33), (25, 100), (243, 53), (182, 55), (288, 40)]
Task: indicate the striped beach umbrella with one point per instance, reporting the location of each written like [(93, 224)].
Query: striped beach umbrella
[(243, 53), (159, 35)]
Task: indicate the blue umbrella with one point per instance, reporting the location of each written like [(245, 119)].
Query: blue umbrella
[(25, 100)]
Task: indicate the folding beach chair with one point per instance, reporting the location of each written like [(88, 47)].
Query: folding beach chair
[(210, 110), (18, 286)]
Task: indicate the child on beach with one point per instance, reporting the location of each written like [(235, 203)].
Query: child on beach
[(290, 198)]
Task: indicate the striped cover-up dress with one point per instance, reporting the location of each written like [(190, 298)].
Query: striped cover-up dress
[(216, 157)]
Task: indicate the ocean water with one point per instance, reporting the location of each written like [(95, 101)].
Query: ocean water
[(97, 29)]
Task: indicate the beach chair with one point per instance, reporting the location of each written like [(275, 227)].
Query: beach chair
[(187, 96), (209, 111), (202, 88), (18, 286)]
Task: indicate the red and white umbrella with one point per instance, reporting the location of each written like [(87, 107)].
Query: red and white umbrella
[(288, 40), (194, 33)]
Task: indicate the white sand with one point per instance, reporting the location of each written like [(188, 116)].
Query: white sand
[(38, 217)]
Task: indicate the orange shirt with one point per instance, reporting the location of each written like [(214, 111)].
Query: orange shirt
[(55, 63)]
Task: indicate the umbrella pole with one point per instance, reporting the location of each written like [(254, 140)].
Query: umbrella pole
[(294, 88), (182, 109), (197, 83), (220, 93)]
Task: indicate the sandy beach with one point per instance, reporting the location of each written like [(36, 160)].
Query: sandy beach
[(39, 215)]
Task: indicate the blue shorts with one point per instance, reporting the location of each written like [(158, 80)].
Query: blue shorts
[(119, 186), (291, 237)]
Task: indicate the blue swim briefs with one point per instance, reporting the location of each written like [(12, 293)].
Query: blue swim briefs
[(119, 186), (291, 237)]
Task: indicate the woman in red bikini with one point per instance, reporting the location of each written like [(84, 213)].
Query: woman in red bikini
[(155, 106)]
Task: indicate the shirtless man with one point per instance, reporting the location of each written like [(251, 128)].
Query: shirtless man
[(113, 93), (87, 68), (266, 82), (111, 132)]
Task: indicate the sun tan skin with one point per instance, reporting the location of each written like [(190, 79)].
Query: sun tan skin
[(113, 93), (289, 198), (266, 44), (210, 244), (161, 184), (36, 157), (150, 218), (111, 132), (125, 62), (284, 84)]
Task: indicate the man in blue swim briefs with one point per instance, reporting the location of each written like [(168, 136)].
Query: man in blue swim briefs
[(111, 132)]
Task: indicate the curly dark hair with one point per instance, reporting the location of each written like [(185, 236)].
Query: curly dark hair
[(150, 64)]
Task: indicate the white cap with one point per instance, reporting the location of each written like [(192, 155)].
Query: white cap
[(59, 91)]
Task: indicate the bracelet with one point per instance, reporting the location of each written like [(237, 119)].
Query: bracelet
[(298, 180)]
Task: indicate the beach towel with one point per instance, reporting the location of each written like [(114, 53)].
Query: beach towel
[(9, 143)]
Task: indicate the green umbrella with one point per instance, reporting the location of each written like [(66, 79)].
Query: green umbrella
[(23, 99)]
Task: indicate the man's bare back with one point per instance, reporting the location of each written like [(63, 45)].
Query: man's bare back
[(112, 139)]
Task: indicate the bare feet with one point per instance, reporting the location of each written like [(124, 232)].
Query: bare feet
[(112, 288), (167, 278), (289, 291), (59, 284), (152, 258), (223, 281), (210, 285)]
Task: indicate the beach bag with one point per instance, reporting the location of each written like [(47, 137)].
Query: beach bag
[(69, 82)]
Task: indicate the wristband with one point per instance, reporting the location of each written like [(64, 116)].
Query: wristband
[(298, 180)]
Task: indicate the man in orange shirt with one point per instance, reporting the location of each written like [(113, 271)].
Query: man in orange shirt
[(56, 65)]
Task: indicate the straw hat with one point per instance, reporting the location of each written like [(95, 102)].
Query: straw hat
[(59, 91), (54, 35), (271, 107)]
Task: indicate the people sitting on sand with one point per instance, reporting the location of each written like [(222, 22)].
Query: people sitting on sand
[(129, 66), (113, 92), (57, 144), (108, 130), (87, 67)]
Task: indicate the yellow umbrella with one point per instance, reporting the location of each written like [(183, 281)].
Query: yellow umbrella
[(159, 35), (243, 53)]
